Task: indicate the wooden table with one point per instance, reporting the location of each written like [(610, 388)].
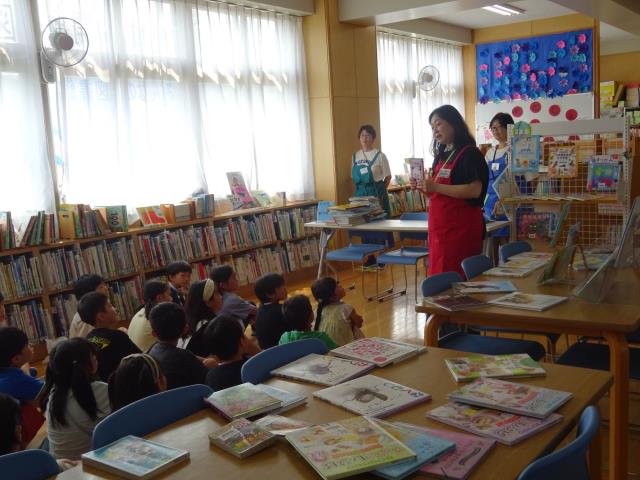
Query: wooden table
[(616, 316), (425, 372)]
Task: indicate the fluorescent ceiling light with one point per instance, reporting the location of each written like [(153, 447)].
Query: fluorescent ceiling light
[(505, 9)]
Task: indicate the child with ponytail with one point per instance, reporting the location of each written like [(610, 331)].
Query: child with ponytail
[(73, 400), (138, 376), (337, 319)]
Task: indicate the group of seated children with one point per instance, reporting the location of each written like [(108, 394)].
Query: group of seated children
[(184, 334)]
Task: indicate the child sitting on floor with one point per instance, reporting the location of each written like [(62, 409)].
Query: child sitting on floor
[(154, 292), (137, 377), (15, 373), (298, 313), (226, 341), (83, 285), (203, 303), (337, 319), (180, 367), (270, 321), (76, 402), (232, 304), (179, 275)]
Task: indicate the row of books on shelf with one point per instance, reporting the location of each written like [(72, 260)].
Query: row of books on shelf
[(20, 277), (406, 201)]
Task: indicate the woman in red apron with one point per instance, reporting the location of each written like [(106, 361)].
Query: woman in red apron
[(456, 188)]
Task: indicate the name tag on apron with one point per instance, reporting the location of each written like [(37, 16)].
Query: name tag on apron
[(444, 173), (495, 166), (363, 171)]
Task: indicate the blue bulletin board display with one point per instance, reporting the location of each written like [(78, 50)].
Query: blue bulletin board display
[(536, 67)]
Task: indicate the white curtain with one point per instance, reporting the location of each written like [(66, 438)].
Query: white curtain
[(27, 183), (404, 114), (175, 93)]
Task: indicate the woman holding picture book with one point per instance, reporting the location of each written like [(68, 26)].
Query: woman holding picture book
[(456, 187)]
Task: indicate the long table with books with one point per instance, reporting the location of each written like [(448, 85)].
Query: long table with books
[(426, 372), (394, 225), (617, 315)]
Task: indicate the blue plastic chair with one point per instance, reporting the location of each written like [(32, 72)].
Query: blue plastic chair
[(409, 255), (467, 342), (596, 357), (570, 462), (29, 465), (476, 265), (371, 243), (258, 368), (513, 248), (150, 414)]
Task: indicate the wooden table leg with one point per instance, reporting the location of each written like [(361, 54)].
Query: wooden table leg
[(431, 328), (618, 406), (595, 456)]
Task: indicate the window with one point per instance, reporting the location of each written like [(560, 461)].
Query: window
[(404, 110)]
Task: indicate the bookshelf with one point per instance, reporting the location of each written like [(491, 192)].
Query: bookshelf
[(403, 199), (37, 281)]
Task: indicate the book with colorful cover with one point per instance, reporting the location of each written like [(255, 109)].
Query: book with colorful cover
[(244, 400), (525, 153), (604, 173), (562, 163), (511, 397), (504, 427), (242, 438), (281, 426), (151, 215), (418, 348), (535, 225), (322, 213), (133, 457), (262, 198), (238, 188), (488, 286), (347, 447), (506, 271), (289, 400), (372, 396), (594, 261), (374, 351), (323, 369), (455, 302), (527, 301), (465, 369), (426, 446), (544, 256), (416, 168), (116, 217), (459, 463)]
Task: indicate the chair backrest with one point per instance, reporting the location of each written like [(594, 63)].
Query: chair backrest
[(150, 414), (374, 238), (476, 265), (439, 282), (570, 461), (513, 248), (258, 368), (414, 235), (29, 465)]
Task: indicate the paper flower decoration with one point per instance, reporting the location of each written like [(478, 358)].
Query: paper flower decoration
[(532, 57), (552, 71), (571, 90), (483, 67), (498, 64), (560, 44), (533, 77), (498, 73), (562, 53), (574, 50), (515, 47), (526, 67), (582, 38), (507, 60), (563, 83), (515, 56), (515, 96), (584, 67), (484, 81)]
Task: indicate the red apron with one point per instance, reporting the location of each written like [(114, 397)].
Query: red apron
[(456, 228)]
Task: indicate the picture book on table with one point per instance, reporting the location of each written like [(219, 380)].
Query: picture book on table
[(465, 369), (455, 302), (458, 463), (506, 428), (323, 369), (323, 214), (527, 301), (465, 288), (374, 351), (593, 261), (525, 263), (604, 173), (416, 168), (348, 447), (372, 396), (244, 400), (242, 438), (506, 271), (427, 448), (279, 425), (535, 225), (418, 348), (239, 189), (525, 153), (289, 400), (562, 162), (544, 256), (133, 457), (511, 397)]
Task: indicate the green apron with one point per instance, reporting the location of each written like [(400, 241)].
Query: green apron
[(362, 176)]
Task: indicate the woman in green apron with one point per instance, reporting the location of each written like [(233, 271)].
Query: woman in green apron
[(370, 169)]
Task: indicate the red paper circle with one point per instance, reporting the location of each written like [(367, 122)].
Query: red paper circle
[(573, 138), (517, 111), (548, 139), (554, 110), (535, 120), (571, 114), (535, 107)]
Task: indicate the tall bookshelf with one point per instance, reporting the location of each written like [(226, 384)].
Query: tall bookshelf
[(37, 281)]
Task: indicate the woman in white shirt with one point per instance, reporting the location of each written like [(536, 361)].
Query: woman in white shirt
[(370, 170)]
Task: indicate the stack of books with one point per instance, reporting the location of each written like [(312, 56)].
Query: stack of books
[(512, 365), (242, 438), (518, 266), (505, 411), (7, 233), (359, 210)]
